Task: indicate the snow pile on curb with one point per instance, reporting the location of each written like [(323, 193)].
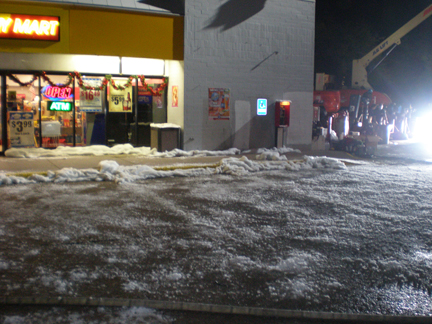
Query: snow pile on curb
[(274, 154), (100, 150), (280, 150), (313, 162), (95, 150), (195, 153), (112, 171)]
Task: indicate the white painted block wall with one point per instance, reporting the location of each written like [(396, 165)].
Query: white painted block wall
[(235, 58)]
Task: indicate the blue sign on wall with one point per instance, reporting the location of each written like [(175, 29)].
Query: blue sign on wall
[(262, 107)]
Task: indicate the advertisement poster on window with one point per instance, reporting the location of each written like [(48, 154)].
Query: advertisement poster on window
[(12, 101), (145, 100), (21, 129), (11, 95), (174, 96), (159, 101), (91, 100), (219, 100), (120, 100)]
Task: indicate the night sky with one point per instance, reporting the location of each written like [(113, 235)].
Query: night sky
[(349, 29)]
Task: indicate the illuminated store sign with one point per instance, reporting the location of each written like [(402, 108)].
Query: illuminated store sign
[(57, 93), (29, 27), (59, 106)]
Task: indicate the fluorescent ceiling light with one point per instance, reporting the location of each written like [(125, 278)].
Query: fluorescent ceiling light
[(132, 65), (96, 64)]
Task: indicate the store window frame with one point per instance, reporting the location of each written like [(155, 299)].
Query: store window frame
[(105, 108)]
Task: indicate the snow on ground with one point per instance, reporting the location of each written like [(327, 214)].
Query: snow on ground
[(310, 235), (351, 239), (112, 171)]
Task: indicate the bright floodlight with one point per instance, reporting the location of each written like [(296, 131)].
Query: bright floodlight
[(422, 128), (422, 131)]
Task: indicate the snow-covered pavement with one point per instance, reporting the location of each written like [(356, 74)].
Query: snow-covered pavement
[(261, 233)]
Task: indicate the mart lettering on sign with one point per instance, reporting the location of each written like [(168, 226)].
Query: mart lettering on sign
[(21, 129), (29, 27)]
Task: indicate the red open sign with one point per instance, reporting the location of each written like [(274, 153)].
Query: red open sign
[(57, 93)]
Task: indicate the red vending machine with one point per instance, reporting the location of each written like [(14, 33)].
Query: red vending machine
[(282, 113)]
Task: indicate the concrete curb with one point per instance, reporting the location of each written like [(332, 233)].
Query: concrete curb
[(210, 308)]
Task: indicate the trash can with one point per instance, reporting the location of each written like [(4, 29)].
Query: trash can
[(165, 136)]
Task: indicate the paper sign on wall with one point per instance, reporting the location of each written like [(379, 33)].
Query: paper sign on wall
[(174, 96), (218, 100)]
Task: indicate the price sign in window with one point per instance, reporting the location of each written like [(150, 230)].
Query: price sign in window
[(91, 100), (120, 100), (21, 129)]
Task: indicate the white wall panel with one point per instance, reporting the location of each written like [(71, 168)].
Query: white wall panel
[(242, 117), (269, 54)]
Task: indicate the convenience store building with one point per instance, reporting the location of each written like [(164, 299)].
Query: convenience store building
[(102, 72)]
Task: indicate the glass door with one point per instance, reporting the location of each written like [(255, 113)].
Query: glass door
[(121, 110), (90, 107), (151, 108)]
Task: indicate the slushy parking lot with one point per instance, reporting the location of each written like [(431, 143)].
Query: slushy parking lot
[(354, 239)]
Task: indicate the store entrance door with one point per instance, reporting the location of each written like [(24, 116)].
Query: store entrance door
[(140, 128), (131, 112), (118, 128), (120, 111)]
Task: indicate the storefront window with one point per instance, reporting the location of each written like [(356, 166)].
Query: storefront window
[(58, 112), (22, 103), (50, 110)]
